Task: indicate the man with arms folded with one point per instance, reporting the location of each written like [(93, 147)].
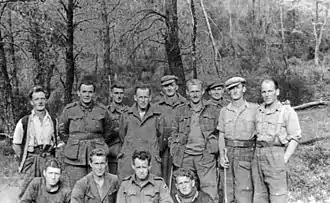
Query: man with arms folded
[(98, 186), (34, 139), (278, 134), (142, 186), (84, 126), (236, 142), (194, 143), (48, 188), (186, 188)]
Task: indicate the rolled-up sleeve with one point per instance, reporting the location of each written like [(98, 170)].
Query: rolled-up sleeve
[(18, 133), (293, 126)]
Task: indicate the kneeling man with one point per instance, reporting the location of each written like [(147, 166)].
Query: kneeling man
[(187, 190), (48, 188), (143, 187), (98, 186)]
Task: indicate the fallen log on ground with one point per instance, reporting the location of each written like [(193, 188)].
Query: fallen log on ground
[(310, 104)]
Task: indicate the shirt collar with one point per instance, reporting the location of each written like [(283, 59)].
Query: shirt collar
[(232, 108), (115, 107), (166, 100), (149, 180), (33, 114), (277, 107)]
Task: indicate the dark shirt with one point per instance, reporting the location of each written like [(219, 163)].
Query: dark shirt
[(37, 193)]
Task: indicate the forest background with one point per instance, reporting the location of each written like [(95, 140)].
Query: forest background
[(55, 42)]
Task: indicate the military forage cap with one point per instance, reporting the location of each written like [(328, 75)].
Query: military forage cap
[(213, 84), (234, 81), (167, 79)]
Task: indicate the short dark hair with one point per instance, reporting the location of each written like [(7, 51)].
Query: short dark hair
[(143, 87), (117, 85), (54, 163), (184, 172), (87, 80), (141, 154), (97, 152), (36, 89), (273, 80)]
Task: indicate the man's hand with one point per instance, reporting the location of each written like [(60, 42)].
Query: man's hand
[(224, 162)]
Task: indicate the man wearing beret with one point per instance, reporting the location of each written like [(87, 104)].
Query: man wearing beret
[(194, 143), (236, 127), (278, 134), (215, 89), (167, 105)]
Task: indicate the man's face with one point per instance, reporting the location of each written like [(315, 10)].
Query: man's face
[(141, 168), (216, 92), (237, 92), (38, 101), (268, 92), (195, 93), (98, 165), (170, 89), (184, 184), (86, 93), (52, 176), (117, 95), (142, 98)]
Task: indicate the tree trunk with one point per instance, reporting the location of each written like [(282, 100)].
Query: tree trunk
[(12, 53), (172, 47), (191, 5), (106, 38), (8, 97), (70, 63)]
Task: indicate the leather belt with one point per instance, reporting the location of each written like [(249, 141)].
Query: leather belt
[(262, 144), (85, 136), (240, 143)]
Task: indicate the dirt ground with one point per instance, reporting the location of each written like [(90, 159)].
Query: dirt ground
[(309, 174)]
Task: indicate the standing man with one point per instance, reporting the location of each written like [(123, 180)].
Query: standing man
[(142, 186), (141, 127), (168, 105), (236, 142), (98, 186), (193, 141), (84, 126), (49, 188), (34, 139), (186, 188), (278, 134), (116, 109), (216, 89)]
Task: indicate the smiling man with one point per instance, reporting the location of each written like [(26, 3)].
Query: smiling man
[(116, 109), (84, 126), (142, 186), (48, 188), (34, 139), (187, 190), (98, 186), (278, 134), (140, 128), (167, 105), (216, 89)]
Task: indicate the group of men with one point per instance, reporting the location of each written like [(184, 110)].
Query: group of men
[(176, 150)]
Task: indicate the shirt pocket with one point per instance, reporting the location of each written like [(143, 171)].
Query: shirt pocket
[(229, 123), (207, 122), (184, 125), (151, 196), (249, 125), (131, 196), (97, 123), (76, 123)]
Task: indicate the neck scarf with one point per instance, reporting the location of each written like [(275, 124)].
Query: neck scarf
[(188, 198)]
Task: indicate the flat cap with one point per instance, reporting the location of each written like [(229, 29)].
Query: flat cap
[(213, 84), (234, 81), (167, 79)]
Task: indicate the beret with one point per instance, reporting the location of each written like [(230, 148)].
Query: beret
[(213, 84), (167, 79), (234, 81)]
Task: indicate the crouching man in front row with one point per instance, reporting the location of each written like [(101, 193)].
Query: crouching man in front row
[(143, 187), (187, 190), (48, 188), (97, 186)]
